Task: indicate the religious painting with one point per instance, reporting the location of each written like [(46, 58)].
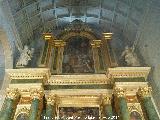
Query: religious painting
[(79, 113), (22, 116), (135, 116), (77, 56)]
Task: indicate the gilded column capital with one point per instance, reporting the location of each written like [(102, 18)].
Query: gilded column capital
[(36, 93), (144, 91), (96, 43), (13, 93), (106, 100), (107, 36), (119, 92), (52, 99), (59, 43)]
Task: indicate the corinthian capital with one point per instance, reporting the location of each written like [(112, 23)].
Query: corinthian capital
[(144, 91), (119, 92), (52, 99), (36, 93), (12, 93)]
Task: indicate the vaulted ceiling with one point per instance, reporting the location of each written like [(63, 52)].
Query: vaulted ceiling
[(32, 16)]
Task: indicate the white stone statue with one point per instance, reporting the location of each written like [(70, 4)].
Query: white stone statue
[(25, 56), (130, 57)]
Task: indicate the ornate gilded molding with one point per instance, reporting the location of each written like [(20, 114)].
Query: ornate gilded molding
[(77, 28), (128, 72), (36, 93), (28, 73), (12, 93), (119, 92), (78, 79), (135, 107), (22, 110), (144, 91)]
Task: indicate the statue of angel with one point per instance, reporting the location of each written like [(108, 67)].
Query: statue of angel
[(130, 57), (25, 56)]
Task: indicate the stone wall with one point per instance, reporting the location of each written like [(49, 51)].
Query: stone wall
[(149, 47)]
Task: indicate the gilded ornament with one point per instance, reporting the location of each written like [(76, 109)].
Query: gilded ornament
[(51, 99), (22, 110), (36, 93), (144, 91), (12, 93), (106, 100), (120, 92)]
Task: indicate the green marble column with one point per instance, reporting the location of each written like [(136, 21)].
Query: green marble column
[(107, 107), (51, 108), (36, 105), (9, 106), (123, 108), (122, 104), (34, 110), (50, 112), (147, 105)]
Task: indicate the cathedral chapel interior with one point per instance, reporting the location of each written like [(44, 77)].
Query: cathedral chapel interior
[(79, 60)]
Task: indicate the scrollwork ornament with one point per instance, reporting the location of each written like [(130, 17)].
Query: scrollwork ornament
[(21, 111), (144, 91), (12, 93), (119, 92)]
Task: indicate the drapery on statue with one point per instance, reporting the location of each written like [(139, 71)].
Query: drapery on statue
[(25, 56), (130, 57)]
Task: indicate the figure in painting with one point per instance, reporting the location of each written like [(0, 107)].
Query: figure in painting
[(130, 57), (25, 56), (78, 57)]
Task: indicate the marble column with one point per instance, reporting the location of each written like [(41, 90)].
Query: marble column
[(51, 108), (121, 102), (95, 45), (36, 104), (107, 107), (10, 103), (145, 97)]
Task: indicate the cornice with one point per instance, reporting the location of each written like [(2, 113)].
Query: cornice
[(128, 72)]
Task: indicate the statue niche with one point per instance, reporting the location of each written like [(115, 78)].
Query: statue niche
[(77, 56)]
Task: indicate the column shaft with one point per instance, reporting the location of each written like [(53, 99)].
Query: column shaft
[(106, 54), (50, 112), (7, 110), (34, 109), (96, 59), (123, 109), (10, 103), (108, 111), (149, 108)]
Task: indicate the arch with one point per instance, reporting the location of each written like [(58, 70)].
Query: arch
[(70, 34), (7, 49)]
